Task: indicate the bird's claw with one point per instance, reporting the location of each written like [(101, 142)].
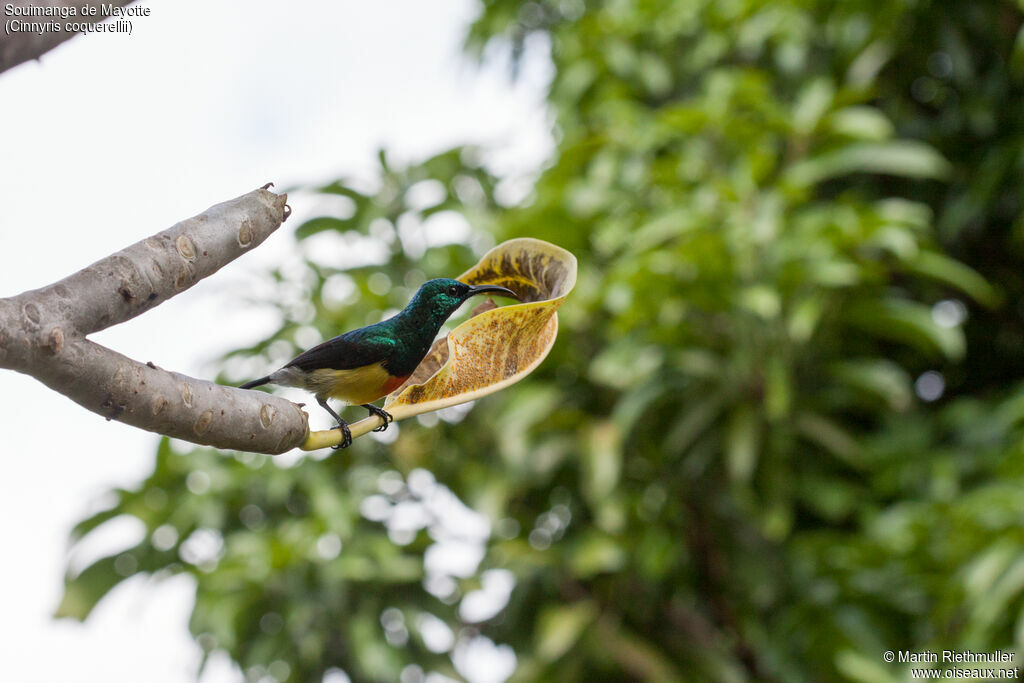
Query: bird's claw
[(382, 414), (346, 437), (387, 420)]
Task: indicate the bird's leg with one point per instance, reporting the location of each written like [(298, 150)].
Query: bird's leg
[(381, 413), (346, 435)]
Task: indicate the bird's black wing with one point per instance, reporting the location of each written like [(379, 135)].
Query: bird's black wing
[(345, 352)]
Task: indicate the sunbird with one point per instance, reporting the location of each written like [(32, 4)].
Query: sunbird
[(363, 365)]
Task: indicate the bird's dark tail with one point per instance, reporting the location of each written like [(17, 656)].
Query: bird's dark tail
[(255, 382)]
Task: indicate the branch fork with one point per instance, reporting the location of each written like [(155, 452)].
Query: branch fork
[(43, 333)]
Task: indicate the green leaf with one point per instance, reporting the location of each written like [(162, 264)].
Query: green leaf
[(857, 666), (341, 188), (636, 402), (695, 419), (956, 274), (910, 323), (995, 603), (878, 378), (322, 224), (862, 123), (84, 591), (981, 574), (602, 463), (596, 553), (560, 627), (906, 158), (778, 389), (831, 436), (811, 105), (90, 523), (742, 443)]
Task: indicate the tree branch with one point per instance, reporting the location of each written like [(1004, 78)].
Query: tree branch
[(43, 334), (19, 47)]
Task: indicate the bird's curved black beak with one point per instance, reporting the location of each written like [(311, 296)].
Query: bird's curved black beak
[(492, 289)]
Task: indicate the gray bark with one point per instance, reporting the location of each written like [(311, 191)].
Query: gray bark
[(43, 334), (16, 48)]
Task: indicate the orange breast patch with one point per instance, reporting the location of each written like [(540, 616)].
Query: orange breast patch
[(393, 383)]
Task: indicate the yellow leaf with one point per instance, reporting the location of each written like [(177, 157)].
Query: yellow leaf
[(496, 347)]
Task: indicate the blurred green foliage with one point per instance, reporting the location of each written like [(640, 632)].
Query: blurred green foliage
[(780, 432)]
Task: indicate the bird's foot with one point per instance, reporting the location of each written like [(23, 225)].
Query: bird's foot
[(346, 437), (382, 414)]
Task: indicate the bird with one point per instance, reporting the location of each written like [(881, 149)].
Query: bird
[(365, 364)]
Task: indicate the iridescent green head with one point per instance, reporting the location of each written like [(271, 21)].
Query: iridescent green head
[(441, 297)]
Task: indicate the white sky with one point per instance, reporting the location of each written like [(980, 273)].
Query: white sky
[(111, 138)]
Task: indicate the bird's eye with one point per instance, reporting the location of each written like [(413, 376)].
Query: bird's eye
[(453, 290)]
